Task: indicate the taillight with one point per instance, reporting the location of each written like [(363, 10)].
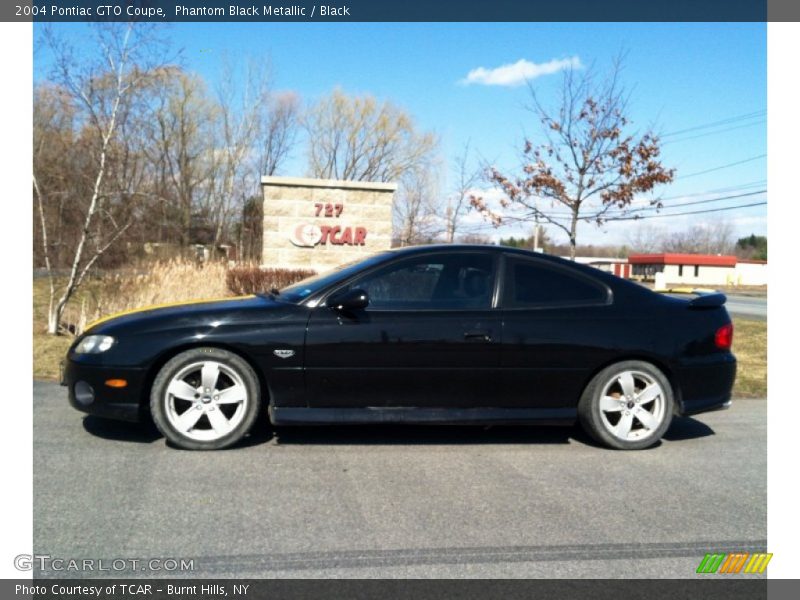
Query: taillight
[(724, 337)]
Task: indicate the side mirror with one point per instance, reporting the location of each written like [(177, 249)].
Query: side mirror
[(355, 299)]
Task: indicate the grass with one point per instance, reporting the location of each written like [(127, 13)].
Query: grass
[(48, 350), (750, 348), (749, 345)]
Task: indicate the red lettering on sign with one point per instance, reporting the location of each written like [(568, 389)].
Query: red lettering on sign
[(340, 236), (325, 230), (361, 236)]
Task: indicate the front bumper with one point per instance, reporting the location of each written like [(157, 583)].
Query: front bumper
[(706, 385), (89, 393)]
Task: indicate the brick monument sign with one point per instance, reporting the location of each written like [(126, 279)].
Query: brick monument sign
[(321, 223)]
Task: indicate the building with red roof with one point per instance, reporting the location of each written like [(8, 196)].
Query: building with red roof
[(699, 269)]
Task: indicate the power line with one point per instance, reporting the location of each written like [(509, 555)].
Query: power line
[(731, 188), (727, 121), (621, 212), (707, 133), (680, 214), (612, 215), (691, 212), (733, 164), (721, 198)]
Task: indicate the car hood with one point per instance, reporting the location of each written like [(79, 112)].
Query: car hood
[(196, 312)]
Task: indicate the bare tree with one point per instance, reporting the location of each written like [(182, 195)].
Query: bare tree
[(415, 215), (241, 110), (181, 147), (459, 201), (57, 169), (646, 238), (279, 131), (586, 161), (104, 89), (358, 138), (713, 238)]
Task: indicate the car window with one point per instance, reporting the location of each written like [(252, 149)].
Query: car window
[(439, 281), (533, 284), (301, 290)]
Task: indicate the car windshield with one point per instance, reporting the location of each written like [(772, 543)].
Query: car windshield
[(301, 290)]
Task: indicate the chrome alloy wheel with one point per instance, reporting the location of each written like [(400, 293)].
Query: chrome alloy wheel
[(632, 405), (206, 400)]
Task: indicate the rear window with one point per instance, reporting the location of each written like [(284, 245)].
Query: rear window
[(533, 284)]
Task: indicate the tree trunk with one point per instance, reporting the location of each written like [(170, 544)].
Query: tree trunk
[(52, 328), (573, 235), (451, 225)]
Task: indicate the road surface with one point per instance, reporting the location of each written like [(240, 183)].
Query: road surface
[(747, 307), (399, 501)]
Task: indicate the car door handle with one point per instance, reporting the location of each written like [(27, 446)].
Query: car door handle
[(477, 336)]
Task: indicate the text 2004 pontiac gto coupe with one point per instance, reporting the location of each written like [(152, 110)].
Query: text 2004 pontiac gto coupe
[(435, 334)]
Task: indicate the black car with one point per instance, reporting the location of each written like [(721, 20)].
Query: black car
[(434, 334)]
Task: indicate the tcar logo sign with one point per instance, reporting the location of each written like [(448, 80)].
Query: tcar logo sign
[(308, 235)]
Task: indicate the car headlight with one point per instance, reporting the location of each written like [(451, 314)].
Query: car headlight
[(94, 344)]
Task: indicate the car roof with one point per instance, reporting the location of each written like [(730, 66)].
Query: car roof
[(411, 250), (616, 283)]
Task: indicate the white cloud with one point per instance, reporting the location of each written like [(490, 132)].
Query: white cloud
[(519, 72)]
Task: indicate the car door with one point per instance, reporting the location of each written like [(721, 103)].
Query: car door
[(558, 326), (429, 337)]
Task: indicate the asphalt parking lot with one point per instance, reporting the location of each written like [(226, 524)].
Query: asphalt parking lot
[(399, 501)]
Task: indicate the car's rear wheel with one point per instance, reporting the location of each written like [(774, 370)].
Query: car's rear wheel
[(205, 399), (627, 406)]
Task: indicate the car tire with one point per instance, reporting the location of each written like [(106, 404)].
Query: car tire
[(627, 406), (205, 399)]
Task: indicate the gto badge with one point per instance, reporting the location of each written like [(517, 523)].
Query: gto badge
[(283, 353)]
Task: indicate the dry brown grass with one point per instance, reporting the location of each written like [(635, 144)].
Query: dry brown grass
[(750, 348), (146, 285), (160, 283)]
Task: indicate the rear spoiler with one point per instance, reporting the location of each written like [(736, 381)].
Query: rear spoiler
[(713, 300), (706, 298)]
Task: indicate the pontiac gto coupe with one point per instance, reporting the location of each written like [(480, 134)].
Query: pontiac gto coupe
[(432, 334)]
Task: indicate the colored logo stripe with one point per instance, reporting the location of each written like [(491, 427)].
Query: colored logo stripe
[(710, 563), (733, 563), (758, 563)]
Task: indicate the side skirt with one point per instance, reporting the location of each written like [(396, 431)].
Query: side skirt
[(411, 415)]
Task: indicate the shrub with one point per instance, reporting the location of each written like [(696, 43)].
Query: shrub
[(255, 280)]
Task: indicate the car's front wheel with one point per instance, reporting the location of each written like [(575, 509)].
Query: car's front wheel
[(205, 399), (627, 406)]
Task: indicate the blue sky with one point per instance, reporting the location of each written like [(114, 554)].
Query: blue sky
[(680, 75)]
